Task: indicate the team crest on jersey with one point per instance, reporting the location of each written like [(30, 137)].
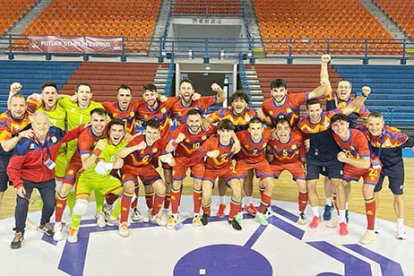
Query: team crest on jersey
[(71, 172), (387, 143), (294, 146), (288, 110), (270, 112), (132, 114), (154, 150), (163, 110), (32, 146), (326, 124), (204, 137)]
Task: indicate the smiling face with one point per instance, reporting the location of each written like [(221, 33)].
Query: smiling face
[(116, 134), (343, 91), (279, 94), (239, 106), (315, 112), (225, 135), (84, 95), (152, 135), (375, 125), (98, 123), (283, 131), (186, 91), (124, 98), (256, 131), (150, 98), (194, 123), (341, 128), (49, 97), (18, 107), (40, 125)]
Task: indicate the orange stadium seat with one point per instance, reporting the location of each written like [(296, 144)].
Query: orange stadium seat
[(322, 19), (104, 17), (206, 7), (11, 11), (401, 12)]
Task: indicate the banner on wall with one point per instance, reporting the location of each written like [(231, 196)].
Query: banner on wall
[(75, 44)]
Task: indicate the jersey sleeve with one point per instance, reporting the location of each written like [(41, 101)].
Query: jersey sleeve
[(168, 104), (65, 102), (5, 133), (85, 143), (362, 144), (207, 101), (33, 104), (298, 98), (107, 106), (215, 117)]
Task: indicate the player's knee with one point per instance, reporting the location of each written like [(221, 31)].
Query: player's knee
[(129, 187), (65, 189), (159, 187), (80, 207)]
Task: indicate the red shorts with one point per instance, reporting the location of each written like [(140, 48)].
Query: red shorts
[(296, 169), (182, 164), (147, 174), (71, 172), (226, 175), (262, 169), (370, 175)]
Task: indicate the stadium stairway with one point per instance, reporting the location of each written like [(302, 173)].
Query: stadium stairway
[(31, 74), (392, 91), (106, 77)]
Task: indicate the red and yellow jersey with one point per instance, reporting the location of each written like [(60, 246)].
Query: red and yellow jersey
[(241, 122), (86, 143), (10, 126), (223, 160), (307, 127), (162, 113), (289, 152), (192, 142), (252, 152), (288, 110), (145, 156), (179, 111), (356, 146), (128, 116)]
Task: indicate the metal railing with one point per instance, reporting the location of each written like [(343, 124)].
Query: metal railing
[(170, 77), (243, 78)]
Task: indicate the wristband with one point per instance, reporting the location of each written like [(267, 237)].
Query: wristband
[(97, 152), (364, 96)]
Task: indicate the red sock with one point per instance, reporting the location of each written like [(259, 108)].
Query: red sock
[(264, 203), (60, 207), (207, 210), (125, 205), (149, 198), (110, 198), (134, 203), (197, 200), (175, 198), (168, 199), (302, 200), (261, 190), (158, 200), (235, 208), (370, 210)]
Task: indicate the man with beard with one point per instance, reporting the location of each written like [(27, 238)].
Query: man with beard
[(240, 115), (32, 166), (387, 143), (186, 102), (185, 141), (96, 175), (322, 154)]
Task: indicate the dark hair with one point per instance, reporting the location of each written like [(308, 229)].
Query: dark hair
[(376, 114), (154, 123), (281, 120), (115, 121), (312, 102), (350, 84), (49, 83), (277, 83), (239, 94), (255, 120), (99, 111), (150, 87), (225, 124), (194, 112), (124, 86), (83, 84), (339, 117), (187, 81)]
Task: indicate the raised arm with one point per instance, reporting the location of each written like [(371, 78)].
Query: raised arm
[(348, 109)]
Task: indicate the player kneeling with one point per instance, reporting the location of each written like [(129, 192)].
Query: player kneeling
[(219, 151)]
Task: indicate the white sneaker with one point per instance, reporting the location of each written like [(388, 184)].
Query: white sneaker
[(136, 215), (401, 234), (197, 222), (333, 222), (73, 235), (148, 216), (158, 220), (368, 237), (111, 221), (100, 219), (302, 219), (58, 235), (123, 229), (172, 221), (267, 214), (164, 215)]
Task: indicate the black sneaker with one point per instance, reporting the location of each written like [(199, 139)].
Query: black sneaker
[(17, 240), (204, 219), (235, 224), (46, 228)]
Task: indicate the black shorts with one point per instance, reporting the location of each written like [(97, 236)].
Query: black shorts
[(395, 175), (331, 169)]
